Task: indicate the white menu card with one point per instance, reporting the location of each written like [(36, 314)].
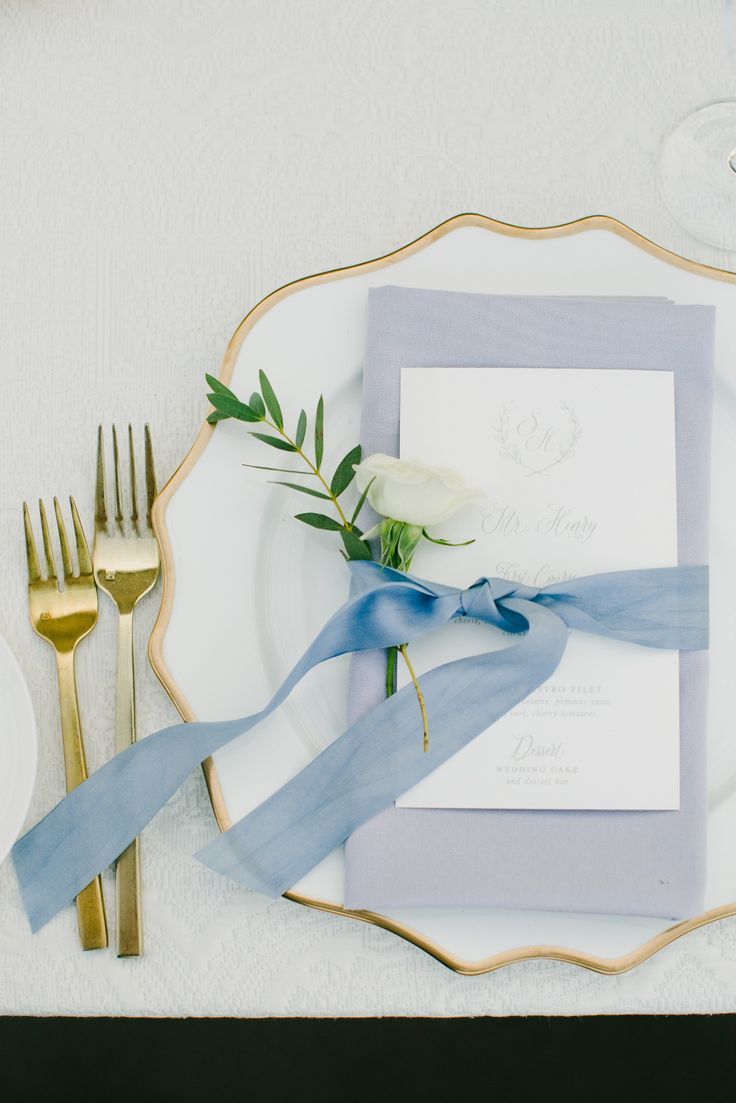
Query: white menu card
[(578, 467)]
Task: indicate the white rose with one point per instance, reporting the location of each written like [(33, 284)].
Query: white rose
[(413, 492)]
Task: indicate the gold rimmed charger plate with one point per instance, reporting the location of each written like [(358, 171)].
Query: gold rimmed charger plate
[(594, 255)]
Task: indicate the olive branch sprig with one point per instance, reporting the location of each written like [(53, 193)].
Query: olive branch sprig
[(263, 407)]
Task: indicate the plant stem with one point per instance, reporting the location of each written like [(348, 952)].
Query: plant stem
[(391, 671), (315, 470), (392, 556), (420, 696)]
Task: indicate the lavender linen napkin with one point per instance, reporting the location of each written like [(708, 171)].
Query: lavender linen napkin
[(638, 863)]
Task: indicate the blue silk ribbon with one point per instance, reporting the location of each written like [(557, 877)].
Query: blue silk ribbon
[(381, 755)]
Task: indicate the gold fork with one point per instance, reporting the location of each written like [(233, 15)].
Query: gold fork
[(126, 565), (63, 617)]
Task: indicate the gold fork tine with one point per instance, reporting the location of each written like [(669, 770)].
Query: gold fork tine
[(34, 571), (85, 560), (66, 559), (150, 475), (133, 490), (116, 466), (48, 549), (100, 506)]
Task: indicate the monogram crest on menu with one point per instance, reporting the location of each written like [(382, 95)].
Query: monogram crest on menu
[(538, 439)]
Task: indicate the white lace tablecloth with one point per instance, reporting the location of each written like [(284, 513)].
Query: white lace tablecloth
[(162, 167)]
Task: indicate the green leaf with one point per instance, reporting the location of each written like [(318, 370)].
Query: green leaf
[(446, 543), (233, 407), (304, 489), (319, 521), (319, 432), (390, 533), (408, 539), (354, 546), (398, 542), (275, 442), (283, 470), (301, 429), (345, 474), (217, 415), (272, 403), (218, 387), (361, 501), (256, 403)]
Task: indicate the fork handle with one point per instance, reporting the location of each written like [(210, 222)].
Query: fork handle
[(90, 904), (127, 871)]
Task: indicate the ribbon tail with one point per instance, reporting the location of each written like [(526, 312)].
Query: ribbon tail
[(381, 756), (91, 826), (662, 607)]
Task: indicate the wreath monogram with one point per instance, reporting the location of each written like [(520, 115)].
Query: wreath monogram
[(535, 443)]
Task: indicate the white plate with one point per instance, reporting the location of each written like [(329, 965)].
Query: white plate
[(17, 749), (246, 587)]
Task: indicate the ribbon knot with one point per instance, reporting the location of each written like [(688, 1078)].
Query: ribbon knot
[(484, 600)]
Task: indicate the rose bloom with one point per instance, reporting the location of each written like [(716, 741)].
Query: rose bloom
[(414, 492)]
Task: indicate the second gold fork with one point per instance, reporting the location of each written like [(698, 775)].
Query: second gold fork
[(126, 566)]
